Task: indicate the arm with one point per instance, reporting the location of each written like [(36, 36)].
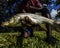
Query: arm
[(36, 8), (38, 3), (31, 5)]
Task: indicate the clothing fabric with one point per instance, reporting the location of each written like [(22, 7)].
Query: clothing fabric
[(34, 3), (29, 30), (53, 8), (53, 13)]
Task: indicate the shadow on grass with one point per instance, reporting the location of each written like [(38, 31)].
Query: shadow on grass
[(10, 29), (50, 40), (19, 41)]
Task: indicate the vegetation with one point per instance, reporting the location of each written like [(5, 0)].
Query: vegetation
[(11, 40)]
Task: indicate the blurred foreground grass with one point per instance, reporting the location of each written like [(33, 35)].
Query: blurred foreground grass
[(10, 40)]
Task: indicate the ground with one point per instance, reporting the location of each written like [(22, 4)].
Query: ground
[(10, 40)]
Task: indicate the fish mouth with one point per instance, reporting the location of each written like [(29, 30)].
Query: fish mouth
[(4, 23)]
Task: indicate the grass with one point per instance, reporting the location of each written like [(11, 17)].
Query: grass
[(10, 40)]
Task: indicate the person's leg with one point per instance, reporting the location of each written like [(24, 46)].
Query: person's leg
[(30, 31), (45, 13), (49, 30), (49, 27), (31, 35), (26, 33), (50, 39)]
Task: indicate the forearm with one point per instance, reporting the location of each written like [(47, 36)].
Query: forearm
[(36, 8)]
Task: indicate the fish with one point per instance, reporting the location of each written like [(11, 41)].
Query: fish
[(35, 18)]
